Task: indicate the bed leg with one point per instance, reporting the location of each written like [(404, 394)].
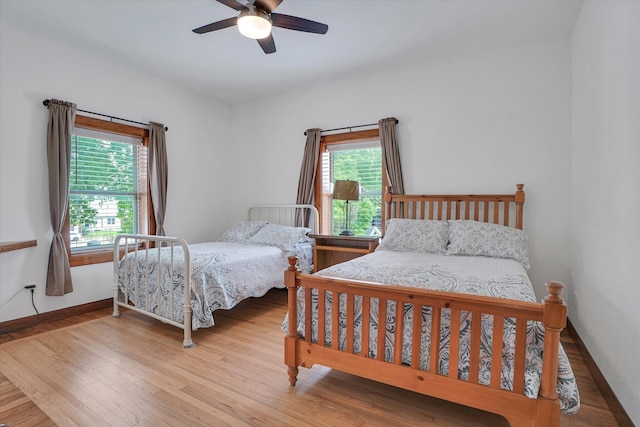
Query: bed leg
[(187, 342), (292, 326), (116, 307), (293, 375)]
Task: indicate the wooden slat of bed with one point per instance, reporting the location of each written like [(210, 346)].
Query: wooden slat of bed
[(474, 363), (496, 351), (307, 314), (366, 324), (335, 319), (382, 327), (416, 329), (520, 356), (322, 316), (398, 333), (434, 354), (454, 343), (350, 323)]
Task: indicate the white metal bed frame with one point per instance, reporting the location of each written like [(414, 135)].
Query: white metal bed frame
[(145, 244)]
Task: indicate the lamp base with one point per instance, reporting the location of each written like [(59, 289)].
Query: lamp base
[(346, 233)]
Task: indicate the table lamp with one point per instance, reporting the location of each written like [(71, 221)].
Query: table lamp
[(346, 190)]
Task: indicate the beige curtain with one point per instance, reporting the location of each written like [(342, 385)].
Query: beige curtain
[(308, 173), (391, 153), (61, 121), (158, 171)]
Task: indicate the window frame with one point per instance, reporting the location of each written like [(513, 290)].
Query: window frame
[(97, 256), (322, 198)]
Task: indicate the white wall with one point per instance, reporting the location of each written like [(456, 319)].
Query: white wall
[(477, 123), (605, 188), (34, 69)]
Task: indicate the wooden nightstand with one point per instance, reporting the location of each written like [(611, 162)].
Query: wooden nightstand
[(330, 250)]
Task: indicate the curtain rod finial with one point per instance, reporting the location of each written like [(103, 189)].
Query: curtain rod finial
[(46, 102)]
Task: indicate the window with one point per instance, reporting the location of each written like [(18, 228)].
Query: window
[(354, 156), (108, 188)]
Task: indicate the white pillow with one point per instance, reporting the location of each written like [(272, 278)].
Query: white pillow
[(414, 235), (475, 238), (242, 231), (282, 236)]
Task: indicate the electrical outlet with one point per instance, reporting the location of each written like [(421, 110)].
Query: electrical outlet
[(30, 285)]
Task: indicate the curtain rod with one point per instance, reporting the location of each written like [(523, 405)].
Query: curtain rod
[(47, 101), (348, 127)]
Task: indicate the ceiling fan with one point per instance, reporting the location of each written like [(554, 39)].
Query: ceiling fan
[(256, 19)]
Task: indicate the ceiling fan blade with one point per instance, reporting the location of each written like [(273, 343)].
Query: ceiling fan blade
[(298, 24), (230, 22), (267, 5), (267, 44), (233, 4)]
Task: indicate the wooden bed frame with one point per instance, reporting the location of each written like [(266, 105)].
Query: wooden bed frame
[(143, 245), (517, 408)]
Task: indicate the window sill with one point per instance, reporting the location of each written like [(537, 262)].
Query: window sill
[(88, 258)]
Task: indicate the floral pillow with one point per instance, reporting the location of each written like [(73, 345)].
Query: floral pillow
[(475, 238), (242, 231), (414, 235), (282, 236)]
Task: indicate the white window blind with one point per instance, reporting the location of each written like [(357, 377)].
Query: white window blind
[(108, 186)]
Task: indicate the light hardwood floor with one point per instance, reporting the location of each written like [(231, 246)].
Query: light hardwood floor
[(132, 371)]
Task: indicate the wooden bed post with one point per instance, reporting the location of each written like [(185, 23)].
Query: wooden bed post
[(386, 207), (292, 326), (519, 205), (555, 320)]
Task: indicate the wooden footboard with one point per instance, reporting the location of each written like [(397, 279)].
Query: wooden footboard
[(517, 408)]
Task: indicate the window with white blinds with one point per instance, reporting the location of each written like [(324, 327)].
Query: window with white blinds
[(108, 188), (356, 160)]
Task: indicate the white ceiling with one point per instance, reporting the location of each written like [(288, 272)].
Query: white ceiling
[(155, 37)]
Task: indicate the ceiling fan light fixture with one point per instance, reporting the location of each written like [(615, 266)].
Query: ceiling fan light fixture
[(254, 24)]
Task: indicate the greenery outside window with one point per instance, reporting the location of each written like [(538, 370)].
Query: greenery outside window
[(108, 188), (354, 156)]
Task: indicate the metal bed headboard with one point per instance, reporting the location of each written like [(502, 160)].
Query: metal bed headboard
[(286, 215)]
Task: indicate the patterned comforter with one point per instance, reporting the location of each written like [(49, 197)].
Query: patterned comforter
[(495, 277), (222, 275)]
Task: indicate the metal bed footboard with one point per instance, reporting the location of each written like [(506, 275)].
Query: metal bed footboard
[(143, 246)]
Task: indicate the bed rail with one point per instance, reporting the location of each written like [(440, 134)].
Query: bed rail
[(143, 246), (512, 404)]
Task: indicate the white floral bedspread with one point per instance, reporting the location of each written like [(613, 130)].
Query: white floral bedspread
[(496, 277), (222, 275)]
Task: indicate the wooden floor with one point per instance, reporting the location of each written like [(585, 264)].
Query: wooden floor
[(95, 370)]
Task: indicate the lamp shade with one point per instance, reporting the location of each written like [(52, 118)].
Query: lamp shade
[(346, 190)]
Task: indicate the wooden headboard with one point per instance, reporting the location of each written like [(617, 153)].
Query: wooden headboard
[(494, 208)]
